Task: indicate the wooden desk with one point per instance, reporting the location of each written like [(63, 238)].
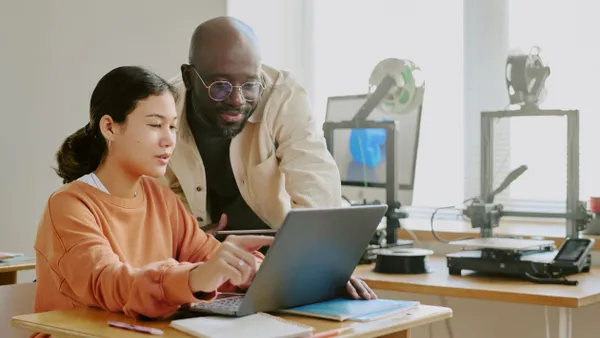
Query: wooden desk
[(92, 323), (8, 271), (501, 289)]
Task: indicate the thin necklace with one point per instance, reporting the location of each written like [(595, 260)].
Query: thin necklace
[(97, 184)]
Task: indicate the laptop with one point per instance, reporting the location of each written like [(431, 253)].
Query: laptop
[(312, 257)]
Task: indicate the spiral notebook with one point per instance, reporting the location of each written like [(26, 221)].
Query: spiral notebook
[(257, 325)]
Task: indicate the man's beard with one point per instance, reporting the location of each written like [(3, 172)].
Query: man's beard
[(232, 130), (212, 120)]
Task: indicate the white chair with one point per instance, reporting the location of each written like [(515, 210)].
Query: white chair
[(15, 299)]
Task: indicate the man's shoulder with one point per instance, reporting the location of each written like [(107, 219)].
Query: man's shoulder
[(279, 80), (281, 88), (177, 82)]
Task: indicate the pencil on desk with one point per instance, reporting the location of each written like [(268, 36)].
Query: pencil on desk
[(246, 232)]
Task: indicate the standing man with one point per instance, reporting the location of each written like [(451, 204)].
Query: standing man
[(248, 148)]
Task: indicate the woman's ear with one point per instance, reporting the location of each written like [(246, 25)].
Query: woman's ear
[(107, 128)]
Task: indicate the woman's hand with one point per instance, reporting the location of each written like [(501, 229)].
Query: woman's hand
[(246, 285), (233, 261)]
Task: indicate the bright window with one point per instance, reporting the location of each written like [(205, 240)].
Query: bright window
[(567, 35), (352, 37)]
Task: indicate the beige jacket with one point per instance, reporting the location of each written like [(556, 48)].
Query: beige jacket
[(280, 160)]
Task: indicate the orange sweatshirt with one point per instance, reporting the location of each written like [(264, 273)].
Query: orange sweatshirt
[(130, 255)]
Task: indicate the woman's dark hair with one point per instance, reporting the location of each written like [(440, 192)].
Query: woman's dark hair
[(116, 95)]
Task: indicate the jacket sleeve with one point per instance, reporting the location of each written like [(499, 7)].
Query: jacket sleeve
[(171, 181), (312, 177), (94, 275)]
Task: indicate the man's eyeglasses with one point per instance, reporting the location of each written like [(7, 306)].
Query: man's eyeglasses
[(220, 90)]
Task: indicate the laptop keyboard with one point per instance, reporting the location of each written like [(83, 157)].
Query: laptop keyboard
[(224, 306)]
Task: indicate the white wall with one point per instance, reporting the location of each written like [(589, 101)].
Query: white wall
[(283, 37), (52, 53)]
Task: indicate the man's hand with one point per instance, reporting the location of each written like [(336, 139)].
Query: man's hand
[(358, 289), (213, 228)]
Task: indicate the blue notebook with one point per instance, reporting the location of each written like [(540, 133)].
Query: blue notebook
[(361, 310)]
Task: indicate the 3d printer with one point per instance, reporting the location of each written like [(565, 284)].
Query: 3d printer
[(367, 145), (536, 260)]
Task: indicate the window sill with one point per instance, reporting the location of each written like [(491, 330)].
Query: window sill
[(456, 229)]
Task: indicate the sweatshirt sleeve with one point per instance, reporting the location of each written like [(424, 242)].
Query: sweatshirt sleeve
[(91, 273), (194, 245)]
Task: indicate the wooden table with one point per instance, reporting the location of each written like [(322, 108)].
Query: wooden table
[(503, 289), (88, 323), (8, 270)]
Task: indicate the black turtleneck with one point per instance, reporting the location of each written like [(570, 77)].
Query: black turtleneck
[(223, 194)]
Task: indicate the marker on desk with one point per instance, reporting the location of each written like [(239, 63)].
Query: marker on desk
[(136, 328), (333, 333)]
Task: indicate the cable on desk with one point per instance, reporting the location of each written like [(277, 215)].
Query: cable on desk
[(411, 234), (437, 237), (560, 280)]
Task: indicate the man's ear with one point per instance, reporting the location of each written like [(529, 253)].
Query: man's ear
[(186, 72)]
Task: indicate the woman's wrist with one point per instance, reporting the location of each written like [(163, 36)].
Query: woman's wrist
[(197, 281)]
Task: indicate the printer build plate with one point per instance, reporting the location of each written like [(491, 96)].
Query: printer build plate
[(534, 263), (500, 243)]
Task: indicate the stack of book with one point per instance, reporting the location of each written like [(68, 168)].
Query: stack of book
[(10, 256), (355, 310)]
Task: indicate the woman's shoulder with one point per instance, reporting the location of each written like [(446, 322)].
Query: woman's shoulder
[(70, 199), (156, 189), (75, 190)]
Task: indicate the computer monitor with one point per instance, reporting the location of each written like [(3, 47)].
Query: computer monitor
[(362, 166)]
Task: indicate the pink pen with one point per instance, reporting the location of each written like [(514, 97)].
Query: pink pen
[(333, 333), (136, 328)]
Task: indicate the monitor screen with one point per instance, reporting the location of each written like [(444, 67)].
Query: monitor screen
[(360, 153)]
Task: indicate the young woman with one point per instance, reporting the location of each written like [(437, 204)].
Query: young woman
[(113, 237)]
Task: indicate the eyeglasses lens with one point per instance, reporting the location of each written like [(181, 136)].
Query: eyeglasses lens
[(220, 90)]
